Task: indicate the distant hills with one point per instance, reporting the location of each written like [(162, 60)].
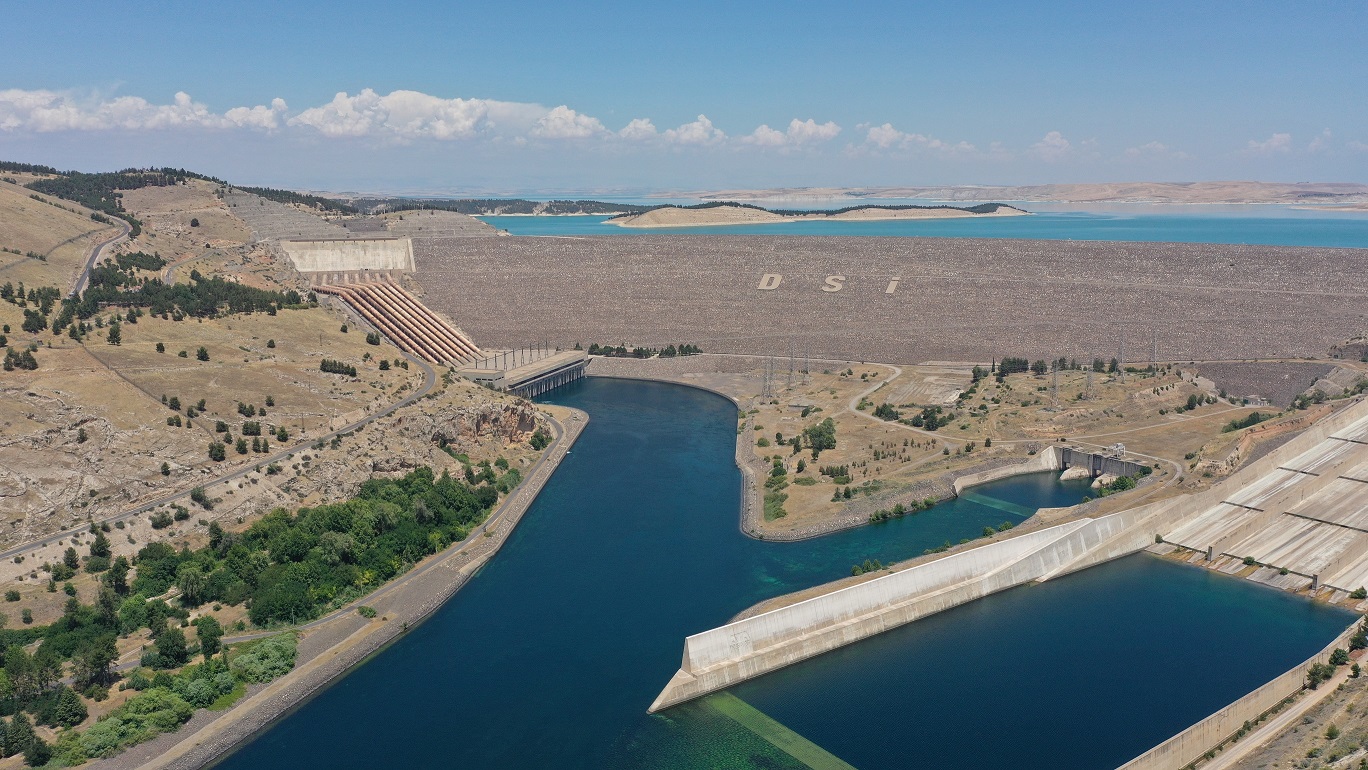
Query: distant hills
[(1104, 192)]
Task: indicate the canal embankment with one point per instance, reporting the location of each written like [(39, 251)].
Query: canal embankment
[(339, 642)]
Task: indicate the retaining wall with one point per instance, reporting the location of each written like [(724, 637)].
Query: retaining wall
[(1048, 459), (1186, 747)]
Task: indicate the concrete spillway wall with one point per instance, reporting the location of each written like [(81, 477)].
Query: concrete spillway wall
[(754, 646), (350, 254), (747, 648)]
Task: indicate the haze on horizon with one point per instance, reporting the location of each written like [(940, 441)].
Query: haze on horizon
[(619, 97)]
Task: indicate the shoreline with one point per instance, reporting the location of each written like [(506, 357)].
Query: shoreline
[(784, 219), (402, 604)]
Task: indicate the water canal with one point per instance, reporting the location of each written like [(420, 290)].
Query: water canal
[(551, 655)]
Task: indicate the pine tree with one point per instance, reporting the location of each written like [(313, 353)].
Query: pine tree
[(19, 735), (70, 710), (100, 546), (70, 558)]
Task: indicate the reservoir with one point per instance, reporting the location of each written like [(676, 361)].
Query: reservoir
[(551, 655), (1264, 224)]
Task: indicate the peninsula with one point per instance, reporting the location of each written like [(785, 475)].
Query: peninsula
[(726, 213)]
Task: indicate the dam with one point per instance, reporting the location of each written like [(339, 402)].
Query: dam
[(549, 657)]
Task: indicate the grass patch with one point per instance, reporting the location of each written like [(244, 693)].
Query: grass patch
[(774, 506), (227, 700), (805, 481)]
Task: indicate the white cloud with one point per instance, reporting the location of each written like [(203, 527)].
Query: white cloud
[(765, 136), (1277, 143), (1357, 146), (564, 123), (886, 137), (1053, 146), (44, 111), (268, 118), (412, 115), (700, 131), (640, 129), (1321, 143), (805, 131)]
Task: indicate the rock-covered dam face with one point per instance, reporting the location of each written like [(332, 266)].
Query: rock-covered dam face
[(900, 299)]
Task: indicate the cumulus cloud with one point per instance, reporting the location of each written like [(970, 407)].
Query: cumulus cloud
[(43, 111), (640, 129), (564, 123), (700, 131), (1357, 146), (886, 137), (1051, 147), (1275, 144), (413, 115), (799, 132), (1321, 143)]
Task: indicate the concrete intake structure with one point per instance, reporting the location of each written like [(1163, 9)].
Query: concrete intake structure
[(747, 648), (350, 255)]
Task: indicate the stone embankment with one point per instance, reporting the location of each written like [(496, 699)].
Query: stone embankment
[(349, 638)]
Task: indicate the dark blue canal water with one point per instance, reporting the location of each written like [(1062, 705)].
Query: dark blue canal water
[(551, 655)]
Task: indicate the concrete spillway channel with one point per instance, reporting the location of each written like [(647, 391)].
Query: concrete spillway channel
[(724, 656), (407, 321)]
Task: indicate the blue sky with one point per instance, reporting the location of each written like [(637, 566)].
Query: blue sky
[(552, 97)]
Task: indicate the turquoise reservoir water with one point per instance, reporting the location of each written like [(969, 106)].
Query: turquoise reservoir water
[(1267, 225), (550, 657)]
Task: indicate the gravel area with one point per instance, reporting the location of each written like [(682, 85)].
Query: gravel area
[(1278, 383)]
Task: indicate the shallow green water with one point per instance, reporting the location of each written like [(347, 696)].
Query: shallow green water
[(550, 657)]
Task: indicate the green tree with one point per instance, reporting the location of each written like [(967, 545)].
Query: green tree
[(71, 559), (117, 576), (191, 580), (202, 354), (19, 735), (170, 643), (70, 710), (100, 545), (210, 632), (92, 664), (114, 335)]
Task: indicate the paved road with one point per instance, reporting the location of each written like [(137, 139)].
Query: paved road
[(84, 277)]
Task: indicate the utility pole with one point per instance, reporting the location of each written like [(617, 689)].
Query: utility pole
[(1154, 351)]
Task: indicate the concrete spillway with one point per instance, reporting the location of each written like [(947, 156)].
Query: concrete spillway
[(724, 656), (407, 322)]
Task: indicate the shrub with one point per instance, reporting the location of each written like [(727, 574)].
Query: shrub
[(264, 660)]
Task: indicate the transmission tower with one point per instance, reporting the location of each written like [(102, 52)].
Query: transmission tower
[(807, 366), (1054, 387), (789, 384), (1154, 351), (1121, 358), (1088, 389)]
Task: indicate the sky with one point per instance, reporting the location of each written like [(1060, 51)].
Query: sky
[(631, 98)]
